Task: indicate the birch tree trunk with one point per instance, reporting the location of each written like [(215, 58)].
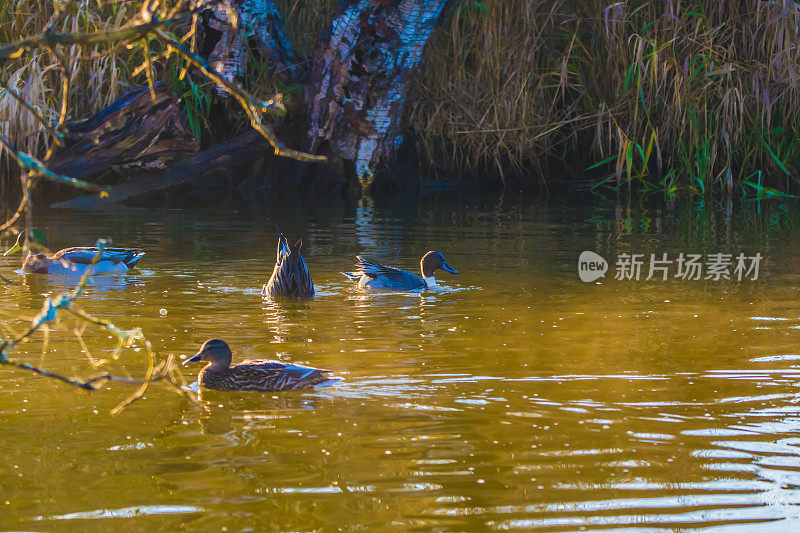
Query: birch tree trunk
[(260, 24), (360, 77)]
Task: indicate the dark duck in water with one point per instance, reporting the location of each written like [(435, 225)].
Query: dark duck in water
[(375, 277), (253, 375), (290, 277)]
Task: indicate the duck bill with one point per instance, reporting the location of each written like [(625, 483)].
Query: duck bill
[(14, 249), (448, 268), (195, 358)]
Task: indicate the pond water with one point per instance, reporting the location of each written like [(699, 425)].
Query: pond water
[(515, 397)]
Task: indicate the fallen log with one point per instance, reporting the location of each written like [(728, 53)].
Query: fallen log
[(135, 130), (245, 148)]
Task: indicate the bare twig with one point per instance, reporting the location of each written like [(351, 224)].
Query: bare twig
[(167, 370), (62, 116), (50, 38), (252, 106), (27, 161)]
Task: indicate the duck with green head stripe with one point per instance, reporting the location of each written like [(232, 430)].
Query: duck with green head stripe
[(71, 261)]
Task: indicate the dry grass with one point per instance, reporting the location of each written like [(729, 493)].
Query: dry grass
[(494, 86), (674, 95), (97, 74), (671, 96)]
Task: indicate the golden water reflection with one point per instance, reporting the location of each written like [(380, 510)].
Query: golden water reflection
[(517, 397)]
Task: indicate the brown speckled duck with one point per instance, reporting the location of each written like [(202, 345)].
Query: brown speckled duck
[(290, 277), (253, 375)]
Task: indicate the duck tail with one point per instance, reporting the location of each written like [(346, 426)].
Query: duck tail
[(304, 286), (133, 258), (283, 244), (290, 277), (276, 226), (283, 248), (352, 276)]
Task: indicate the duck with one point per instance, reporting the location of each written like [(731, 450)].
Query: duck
[(290, 277), (261, 375), (372, 276), (73, 261)]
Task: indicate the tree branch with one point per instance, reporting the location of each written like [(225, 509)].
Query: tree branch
[(167, 370)]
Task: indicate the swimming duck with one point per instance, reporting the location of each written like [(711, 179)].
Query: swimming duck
[(253, 375), (73, 261), (290, 277), (372, 276)]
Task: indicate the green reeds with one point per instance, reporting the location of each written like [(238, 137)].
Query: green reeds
[(670, 97)]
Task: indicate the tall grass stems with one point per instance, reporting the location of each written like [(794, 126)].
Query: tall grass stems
[(674, 96)]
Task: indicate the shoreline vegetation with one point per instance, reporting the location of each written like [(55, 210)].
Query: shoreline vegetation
[(676, 98)]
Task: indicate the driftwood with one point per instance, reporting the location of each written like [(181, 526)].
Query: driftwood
[(360, 76), (134, 130), (245, 148)]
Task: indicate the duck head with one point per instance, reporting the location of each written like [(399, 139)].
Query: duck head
[(430, 263), (36, 236), (215, 351)]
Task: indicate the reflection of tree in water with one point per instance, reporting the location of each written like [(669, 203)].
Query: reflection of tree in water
[(365, 224)]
